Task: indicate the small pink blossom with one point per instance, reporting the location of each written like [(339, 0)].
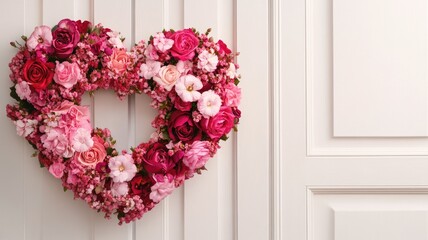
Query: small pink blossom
[(122, 168), (197, 155), (57, 169), (161, 43), (187, 88), (151, 53), (184, 67), (207, 61), (162, 188), (23, 90), (119, 189), (40, 38), (67, 74), (82, 140), (149, 69), (209, 104)]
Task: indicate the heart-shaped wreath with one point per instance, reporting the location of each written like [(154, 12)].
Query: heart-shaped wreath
[(191, 79)]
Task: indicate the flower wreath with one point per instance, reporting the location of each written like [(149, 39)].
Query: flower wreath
[(191, 80)]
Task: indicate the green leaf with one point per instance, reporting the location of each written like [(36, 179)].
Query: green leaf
[(65, 189), (120, 215), (237, 81), (224, 137)]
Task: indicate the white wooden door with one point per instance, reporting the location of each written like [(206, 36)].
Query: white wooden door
[(350, 146)]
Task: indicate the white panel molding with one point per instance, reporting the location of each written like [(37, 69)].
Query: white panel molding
[(276, 119), (328, 148), (313, 191)]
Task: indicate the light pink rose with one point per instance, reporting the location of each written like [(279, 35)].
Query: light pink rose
[(119, 60), (94, 155), (67, 74), (163, 187), (23, 90), (40, 38), (167, 77), (57, 169), (197, 155), (232, 95)]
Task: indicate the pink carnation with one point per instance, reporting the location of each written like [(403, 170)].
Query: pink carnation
[(57, 142), (23, 90), (197, 155), (119, 189), (163, 187), (82, 140), (207, 61), (149, 69), (162, 43), (232, 95)]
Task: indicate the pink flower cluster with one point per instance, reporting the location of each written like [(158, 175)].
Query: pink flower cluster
[(191, 79)]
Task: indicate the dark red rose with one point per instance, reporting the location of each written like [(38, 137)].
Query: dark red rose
[(220, 124), (182, 128), (140, 184), (38, 74), (223, 47), (185, 43), (182, 105), (65, 38), (44, 161), (84, 26), (157, 160)]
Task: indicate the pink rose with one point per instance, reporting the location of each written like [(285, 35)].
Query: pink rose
[(232, 95), (67, 74), (182, 105), (220, 124), (167, 76), (65, 38), (57, 169), (197, 155), (157, 160), (94, 155), (185, 43), (181, 127), (119, 60)]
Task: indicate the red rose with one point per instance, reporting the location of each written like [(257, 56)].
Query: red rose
[(223, 47), (185, 43), (182, 105), (157, 160), (38, 74), (182, 128), (65, 38), (220, 124), (139, 184)]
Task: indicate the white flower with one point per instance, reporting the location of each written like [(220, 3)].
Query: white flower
[(231, 71), (115, 39), (209, 104), (207, 61), (187, 88), (122, 168), (82, 140), (23, 90), (119, 189), (161, 42), (26, 127), (149, 69)]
